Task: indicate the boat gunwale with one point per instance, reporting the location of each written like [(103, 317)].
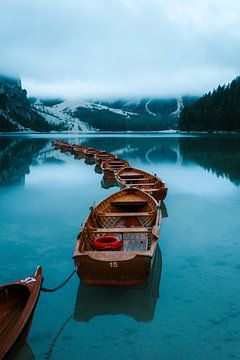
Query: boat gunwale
[(115, 255), (107, 166), (84, 228), (28, 310)]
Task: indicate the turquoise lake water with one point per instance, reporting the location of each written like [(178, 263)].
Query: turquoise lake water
[(190, 308)]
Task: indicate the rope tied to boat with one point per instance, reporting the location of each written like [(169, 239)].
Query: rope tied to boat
[(59, 286)]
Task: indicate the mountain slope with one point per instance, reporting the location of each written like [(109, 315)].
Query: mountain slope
[(121, 115), (16, 113)]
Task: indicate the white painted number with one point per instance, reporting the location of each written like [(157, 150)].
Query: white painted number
[(28, 280), (113, 264)]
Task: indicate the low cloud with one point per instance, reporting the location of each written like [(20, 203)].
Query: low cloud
[(122, 48)]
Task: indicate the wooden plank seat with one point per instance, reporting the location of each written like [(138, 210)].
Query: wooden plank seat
[(132, 178), (129, 202), (116, 163), (120, 230), (122, 214), (143, 184), (113, 166)]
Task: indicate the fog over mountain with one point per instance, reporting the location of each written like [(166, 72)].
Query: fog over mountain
[(120, 49), (18, 113)]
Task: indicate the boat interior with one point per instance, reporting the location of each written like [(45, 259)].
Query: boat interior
[(114, 164), (139, 180), (128, 219)]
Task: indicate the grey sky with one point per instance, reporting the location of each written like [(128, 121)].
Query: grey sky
[(120, 48)]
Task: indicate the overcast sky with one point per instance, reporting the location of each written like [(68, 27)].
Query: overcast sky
[(120, 48)]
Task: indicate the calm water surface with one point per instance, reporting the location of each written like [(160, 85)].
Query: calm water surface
[(190, 308)]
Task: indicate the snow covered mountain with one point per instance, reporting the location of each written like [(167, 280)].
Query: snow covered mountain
[(121, 115), (18, 113)]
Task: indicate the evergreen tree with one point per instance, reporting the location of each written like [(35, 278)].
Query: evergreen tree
[(218, 110)]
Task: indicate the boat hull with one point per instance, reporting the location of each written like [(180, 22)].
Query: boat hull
[(136, 302), (157, 194), (115, 268), (18, 303), (150, 184), (20, 340)]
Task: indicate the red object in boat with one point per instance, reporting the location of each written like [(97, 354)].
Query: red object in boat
[(107, 243)]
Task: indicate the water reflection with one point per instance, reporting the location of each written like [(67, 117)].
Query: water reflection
[(139, 303), (89, 161), (108, 183), (221, 155), (16, 156), (146, 149), (98, 169), (25, 353)]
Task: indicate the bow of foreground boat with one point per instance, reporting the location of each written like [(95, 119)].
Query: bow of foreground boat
[(18, 301), (131, 217)]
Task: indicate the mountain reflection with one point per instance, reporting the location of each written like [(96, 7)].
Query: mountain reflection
[(16, 156), (219, 154), (147, 149), (139, 303)]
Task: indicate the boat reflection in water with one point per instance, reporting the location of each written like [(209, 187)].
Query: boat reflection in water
[(16, 157), (98, 169), (108, 183), (89, 161), (25, 353), (137, 302)]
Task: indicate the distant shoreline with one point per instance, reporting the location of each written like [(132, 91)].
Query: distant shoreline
[(209, 132), (117, 133), (87, 133)]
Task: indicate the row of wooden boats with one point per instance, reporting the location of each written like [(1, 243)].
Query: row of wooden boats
[(118, 240), (116, 245), (116, 168)]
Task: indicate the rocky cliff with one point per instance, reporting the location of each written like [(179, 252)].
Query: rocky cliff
[(16, 112)]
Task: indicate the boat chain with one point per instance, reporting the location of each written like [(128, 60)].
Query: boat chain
[(59, 286)]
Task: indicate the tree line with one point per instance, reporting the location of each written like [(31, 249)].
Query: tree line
[(218, 110), (106, 120)]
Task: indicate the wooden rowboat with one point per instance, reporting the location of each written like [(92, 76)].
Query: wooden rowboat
[(111, 167), (101, 156), (130, 177), (118, 240), (74, 147), (58, 144), (78, 151), (17, 304), (77, 148), (137, 302), (89, 155), (90, 152)]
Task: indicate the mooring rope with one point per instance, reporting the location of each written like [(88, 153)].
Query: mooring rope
[(48, 355), (59, 286)]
